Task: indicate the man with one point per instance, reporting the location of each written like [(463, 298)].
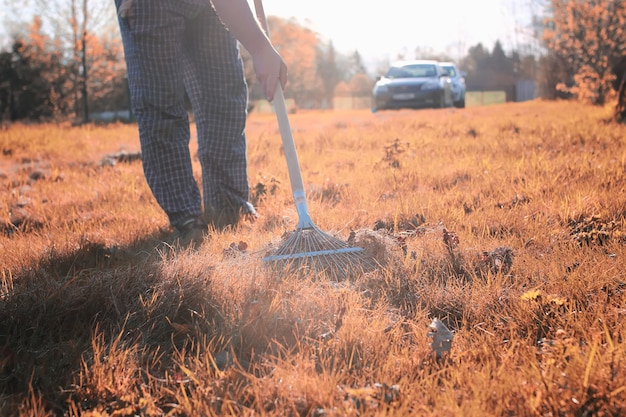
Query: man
[(175, 48)]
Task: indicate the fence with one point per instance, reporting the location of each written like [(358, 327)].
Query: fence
[(521, 91), (354, 102)]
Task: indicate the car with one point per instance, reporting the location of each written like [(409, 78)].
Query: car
[(413, 84), (458, 83)]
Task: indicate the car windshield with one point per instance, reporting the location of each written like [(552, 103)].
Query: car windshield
[(412, 71), (449, 70)]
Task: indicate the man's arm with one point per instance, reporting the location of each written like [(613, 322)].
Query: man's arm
[(239, 19), (268, 64), (242, 23)]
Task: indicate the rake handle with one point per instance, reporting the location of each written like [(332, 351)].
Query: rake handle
[(289, 146)]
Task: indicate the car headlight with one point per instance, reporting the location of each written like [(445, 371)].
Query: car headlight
[(381, 89)]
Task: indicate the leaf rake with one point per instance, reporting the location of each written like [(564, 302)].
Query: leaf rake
[(308, 249)]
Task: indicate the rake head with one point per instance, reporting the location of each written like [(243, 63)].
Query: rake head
[(311, 250)]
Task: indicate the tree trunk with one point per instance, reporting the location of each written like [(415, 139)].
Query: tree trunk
[(84, 63), (84, 80), (12, 106), (620, 110)]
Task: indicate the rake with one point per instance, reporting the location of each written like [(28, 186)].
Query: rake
[(308, 249)]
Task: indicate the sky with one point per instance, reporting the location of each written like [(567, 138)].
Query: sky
[(383, 30)]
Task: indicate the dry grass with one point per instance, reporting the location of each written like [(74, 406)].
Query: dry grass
[(507, 223)]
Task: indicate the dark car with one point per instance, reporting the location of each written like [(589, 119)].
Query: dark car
[(413, 84), (458, 83)]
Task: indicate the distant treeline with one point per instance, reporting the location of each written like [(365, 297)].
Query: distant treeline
[(45, 77)]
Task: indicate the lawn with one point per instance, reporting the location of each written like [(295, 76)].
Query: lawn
[(505, 223)]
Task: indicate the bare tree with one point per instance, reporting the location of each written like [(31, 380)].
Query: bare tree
[(530, 25), (620, 85), (75, 24)]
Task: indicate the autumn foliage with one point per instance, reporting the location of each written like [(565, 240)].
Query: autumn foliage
[(590, 37), (42, 81)]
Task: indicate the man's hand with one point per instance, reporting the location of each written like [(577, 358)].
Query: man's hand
[(268, 64), (270, 69)]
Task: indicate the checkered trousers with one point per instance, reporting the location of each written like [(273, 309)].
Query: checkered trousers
[(173, 47)]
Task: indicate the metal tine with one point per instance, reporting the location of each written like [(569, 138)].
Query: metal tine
[(311, 249)]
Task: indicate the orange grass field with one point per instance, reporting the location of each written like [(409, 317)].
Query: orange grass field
[(507, 223)]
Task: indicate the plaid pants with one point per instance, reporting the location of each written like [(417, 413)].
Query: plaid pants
[(175, 48)]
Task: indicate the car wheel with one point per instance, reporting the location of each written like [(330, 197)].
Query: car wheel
[(460, 104)]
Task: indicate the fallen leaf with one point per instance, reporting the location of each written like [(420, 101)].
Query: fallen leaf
[(531, 295)]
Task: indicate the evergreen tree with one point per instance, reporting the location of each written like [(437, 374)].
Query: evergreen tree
[(329, 71)]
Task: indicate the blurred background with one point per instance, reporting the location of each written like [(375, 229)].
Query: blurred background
[(63, 59)]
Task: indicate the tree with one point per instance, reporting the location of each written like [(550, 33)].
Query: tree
[(361, 85), (76, 24), (9, 82), (106, 85), (476, 63), (619, 70), (33, 77), (329, 71), (498, 60), (42, 80), (527, 67), (342, 90), (502, 69), (483, 66), (552, 69), (590, 37), (298, 46), (355, 65)]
